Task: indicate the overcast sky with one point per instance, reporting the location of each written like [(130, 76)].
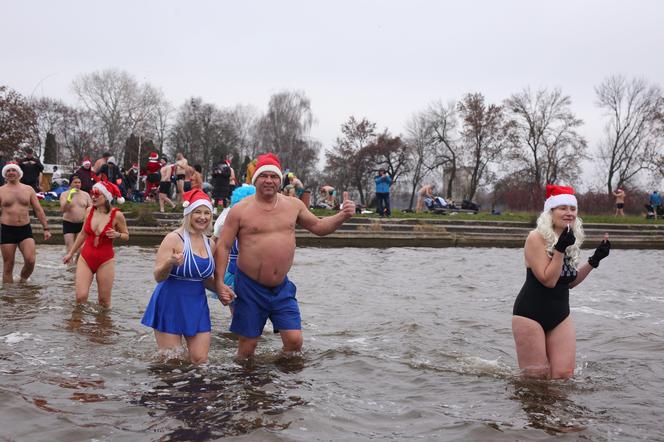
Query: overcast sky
[(383, 60)]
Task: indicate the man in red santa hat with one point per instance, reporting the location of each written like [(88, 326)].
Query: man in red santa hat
[(264, 224), (153, 176), (16, 200)]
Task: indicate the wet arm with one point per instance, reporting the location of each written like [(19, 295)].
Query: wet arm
[(121, 226), (39, 211), (546, 270), (581, 274), (319, 226)]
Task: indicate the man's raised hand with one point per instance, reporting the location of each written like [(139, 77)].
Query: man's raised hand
[(348, 205)]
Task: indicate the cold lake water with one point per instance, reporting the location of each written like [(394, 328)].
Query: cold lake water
[(400, 344)]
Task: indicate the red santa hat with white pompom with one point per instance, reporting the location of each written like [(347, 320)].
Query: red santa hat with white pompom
[(559, 196), (267, 163), (110, 191), (195, 198)]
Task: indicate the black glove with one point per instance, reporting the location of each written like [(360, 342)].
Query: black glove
[(601, 252), (565, 240)]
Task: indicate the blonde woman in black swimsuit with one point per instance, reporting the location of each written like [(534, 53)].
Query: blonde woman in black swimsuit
[(542, 327)]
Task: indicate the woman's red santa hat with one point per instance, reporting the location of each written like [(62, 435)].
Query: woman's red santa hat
[(195, 198), (12, 165), (267, 163), (154, 156), (86, 162), (110, 191), (559, 196)]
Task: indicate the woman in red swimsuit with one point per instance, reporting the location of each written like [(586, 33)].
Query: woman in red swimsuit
[(102, 225)]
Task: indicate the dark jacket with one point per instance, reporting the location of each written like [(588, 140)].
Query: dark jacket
[(31, 168), (87, 178)]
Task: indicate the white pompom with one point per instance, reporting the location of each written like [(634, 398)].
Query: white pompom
[(120, 200), (185, 204)]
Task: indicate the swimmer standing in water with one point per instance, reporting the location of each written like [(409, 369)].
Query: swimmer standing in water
[(542, 326), (103, 224), (16, 199), (264, 225), (73, 205), (184, 268)]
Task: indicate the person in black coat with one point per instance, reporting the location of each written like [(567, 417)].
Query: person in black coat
[(32, 169)]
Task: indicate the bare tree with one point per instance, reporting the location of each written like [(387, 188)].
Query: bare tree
[(487, 136), (285, 129), (348, 165), (78, 136), (389, 153), (422, 152), (17, 122), (632, 142), (244, 120), (546, 141), (50, 118), (442, 120)]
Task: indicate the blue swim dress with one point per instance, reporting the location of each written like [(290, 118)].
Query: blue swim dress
[(178, 304)]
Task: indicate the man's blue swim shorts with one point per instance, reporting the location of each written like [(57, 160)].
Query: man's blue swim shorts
[(255, 303)]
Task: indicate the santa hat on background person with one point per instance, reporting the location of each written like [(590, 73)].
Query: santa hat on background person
[(86, 162), (195, 198), (154, 156), (267, 163), (110, 191), (559, 196), (12, 165)]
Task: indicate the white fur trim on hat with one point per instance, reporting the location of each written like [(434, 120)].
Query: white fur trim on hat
[(564, 199), (104, 191), (14, 166), (199, 202), (267, 168)]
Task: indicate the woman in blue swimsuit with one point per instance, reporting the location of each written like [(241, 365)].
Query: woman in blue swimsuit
[(543, 330), (184, 268)]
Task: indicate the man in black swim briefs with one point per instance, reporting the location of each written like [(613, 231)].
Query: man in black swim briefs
[(165, 173), (16, 199), (73, 205)]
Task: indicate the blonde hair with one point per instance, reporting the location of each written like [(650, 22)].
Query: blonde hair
[(186, 224), (545, 228)]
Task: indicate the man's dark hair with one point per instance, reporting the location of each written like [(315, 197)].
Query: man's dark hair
[(106, 154), (198, 168), (29, 150)]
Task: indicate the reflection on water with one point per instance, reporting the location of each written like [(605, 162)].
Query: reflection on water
[(93, 321), (212, 402)]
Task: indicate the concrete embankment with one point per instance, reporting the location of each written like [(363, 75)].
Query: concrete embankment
[(430, 232)]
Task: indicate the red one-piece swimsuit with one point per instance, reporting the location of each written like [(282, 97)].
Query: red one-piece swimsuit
[(97, 249)]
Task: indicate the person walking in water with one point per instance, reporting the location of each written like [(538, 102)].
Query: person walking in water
[(264, 225), (184, 267), (16, 199), (541, 323), (73, 205), (103, 225)]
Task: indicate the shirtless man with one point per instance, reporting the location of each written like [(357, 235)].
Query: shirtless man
[(181, 166), (425, 191), (165, 173), (329, 195), (15, 200), (265, 227), (100, 162), (73, 205), (619, 194)]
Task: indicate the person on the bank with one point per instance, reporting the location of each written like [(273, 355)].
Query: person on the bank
[(542, 326), (184, 267), (74, 204), (425, 192), (103, 224), (32, 170), (221, 181), (166, 172), (383, 183), (101, 162), (197, 177), (655, 202), (86, 175), (619, 195), (181, 165), (264, 225), (16, 199)]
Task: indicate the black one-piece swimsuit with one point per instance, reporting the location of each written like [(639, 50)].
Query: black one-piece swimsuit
[(548, 306)]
